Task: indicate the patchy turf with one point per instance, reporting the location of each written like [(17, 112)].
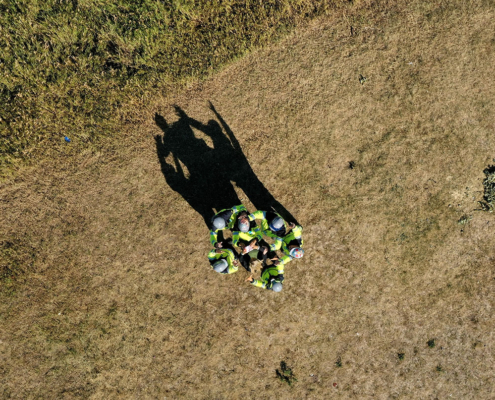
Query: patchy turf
[(106, 291), (80, 68)]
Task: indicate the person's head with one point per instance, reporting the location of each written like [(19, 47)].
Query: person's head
[(243, 225), (220, 265), (276, 224), (296, 252), (218, 223), (277, 287)]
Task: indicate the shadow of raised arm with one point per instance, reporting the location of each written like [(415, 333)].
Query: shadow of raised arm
[(241, 172), (230, 134)]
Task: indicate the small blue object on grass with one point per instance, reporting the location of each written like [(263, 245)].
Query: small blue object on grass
[(67, 139)]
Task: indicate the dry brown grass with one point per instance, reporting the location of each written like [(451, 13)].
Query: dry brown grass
[(113, 297)]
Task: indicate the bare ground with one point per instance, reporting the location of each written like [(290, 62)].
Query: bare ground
[(112, 296)]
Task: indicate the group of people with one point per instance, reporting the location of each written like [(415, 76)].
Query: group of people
[(248, 244)]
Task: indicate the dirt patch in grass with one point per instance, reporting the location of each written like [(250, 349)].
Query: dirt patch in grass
[(117, 298)]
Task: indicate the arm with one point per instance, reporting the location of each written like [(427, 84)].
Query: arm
[(235, 238), (289, 228), (196, 124), (257, 215), (270, 234), (281, 263), (231, 269), (234, 211), (229, 132), (257, 233), (239, 208), (278, 243), (230, 256), (213, 237), (297, 231), (212, 255), (258, 283), (273, 274)]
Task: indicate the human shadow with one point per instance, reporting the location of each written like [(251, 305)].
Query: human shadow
[(207, 186), (243, 175), (204, 184)]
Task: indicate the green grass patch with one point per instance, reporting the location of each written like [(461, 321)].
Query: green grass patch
[(79, 68), (285, 374)]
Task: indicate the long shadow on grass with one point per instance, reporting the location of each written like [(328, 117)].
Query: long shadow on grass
[(206, 185)]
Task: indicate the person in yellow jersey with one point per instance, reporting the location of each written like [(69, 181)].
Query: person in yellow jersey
[(245, 233), (224, 219), (291, 246), (223, 261), (274, 227), (248, 238), (272, 224), (270, 279)]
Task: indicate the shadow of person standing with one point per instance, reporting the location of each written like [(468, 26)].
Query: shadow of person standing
[(240, 170), (205, 185)]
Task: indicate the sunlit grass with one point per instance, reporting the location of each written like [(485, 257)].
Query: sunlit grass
[(73, 67)]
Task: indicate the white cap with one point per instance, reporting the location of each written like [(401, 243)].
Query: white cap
[(277, 287), (219, 223), (220, 265)]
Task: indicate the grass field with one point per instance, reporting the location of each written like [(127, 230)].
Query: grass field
[(83, 67), (372, 128)]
